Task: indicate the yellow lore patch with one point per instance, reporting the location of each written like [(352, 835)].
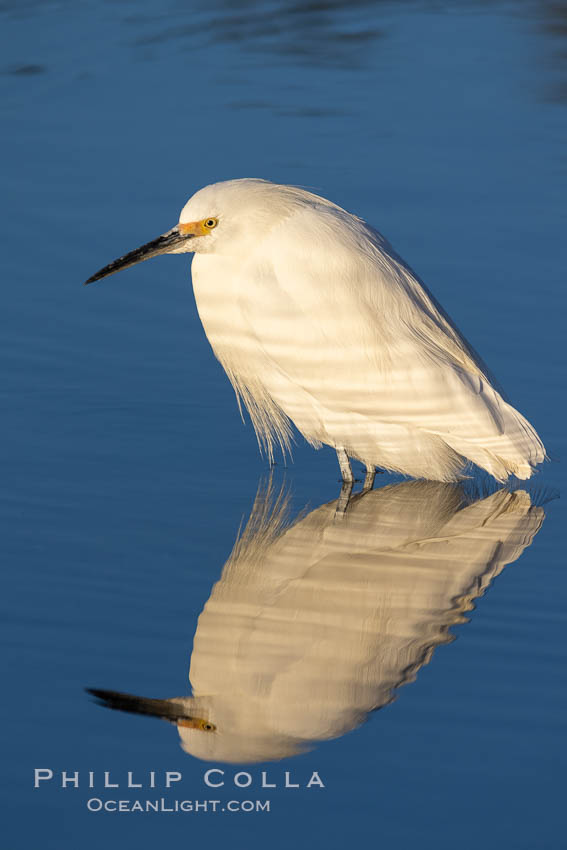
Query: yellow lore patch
[(197, 723), (197, 228)]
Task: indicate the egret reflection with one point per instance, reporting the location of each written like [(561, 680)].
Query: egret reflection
[(316, 623)]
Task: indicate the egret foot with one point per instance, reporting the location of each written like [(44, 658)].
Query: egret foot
[(346, 469)]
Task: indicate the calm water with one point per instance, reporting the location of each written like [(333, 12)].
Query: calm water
[(127, 473)]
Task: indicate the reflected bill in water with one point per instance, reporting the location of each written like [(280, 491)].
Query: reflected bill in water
[(314, 624)]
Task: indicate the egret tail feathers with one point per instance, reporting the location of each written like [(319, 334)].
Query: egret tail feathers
[(515, 450)]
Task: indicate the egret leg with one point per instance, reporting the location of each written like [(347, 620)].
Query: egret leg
[(369, 478), (346, 469), (343, 500)]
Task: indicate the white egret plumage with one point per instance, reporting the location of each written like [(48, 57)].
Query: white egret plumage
[(313, 626), (317, 321)]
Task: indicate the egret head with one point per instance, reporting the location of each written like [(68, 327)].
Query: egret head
[(225, 728), (217, 218)]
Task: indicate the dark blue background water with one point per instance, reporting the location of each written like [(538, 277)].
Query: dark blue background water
[(126, 470)]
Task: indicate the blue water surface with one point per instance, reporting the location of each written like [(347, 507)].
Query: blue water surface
[(126, 469)]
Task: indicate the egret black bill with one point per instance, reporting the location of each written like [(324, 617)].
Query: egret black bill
[(166, 709), (164, 244)]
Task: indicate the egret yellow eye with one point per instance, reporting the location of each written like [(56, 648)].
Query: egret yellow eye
[(209, 223), (208, 727)]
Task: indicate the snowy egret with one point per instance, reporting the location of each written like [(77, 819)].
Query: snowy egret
[(314, 625), (317, 321)]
